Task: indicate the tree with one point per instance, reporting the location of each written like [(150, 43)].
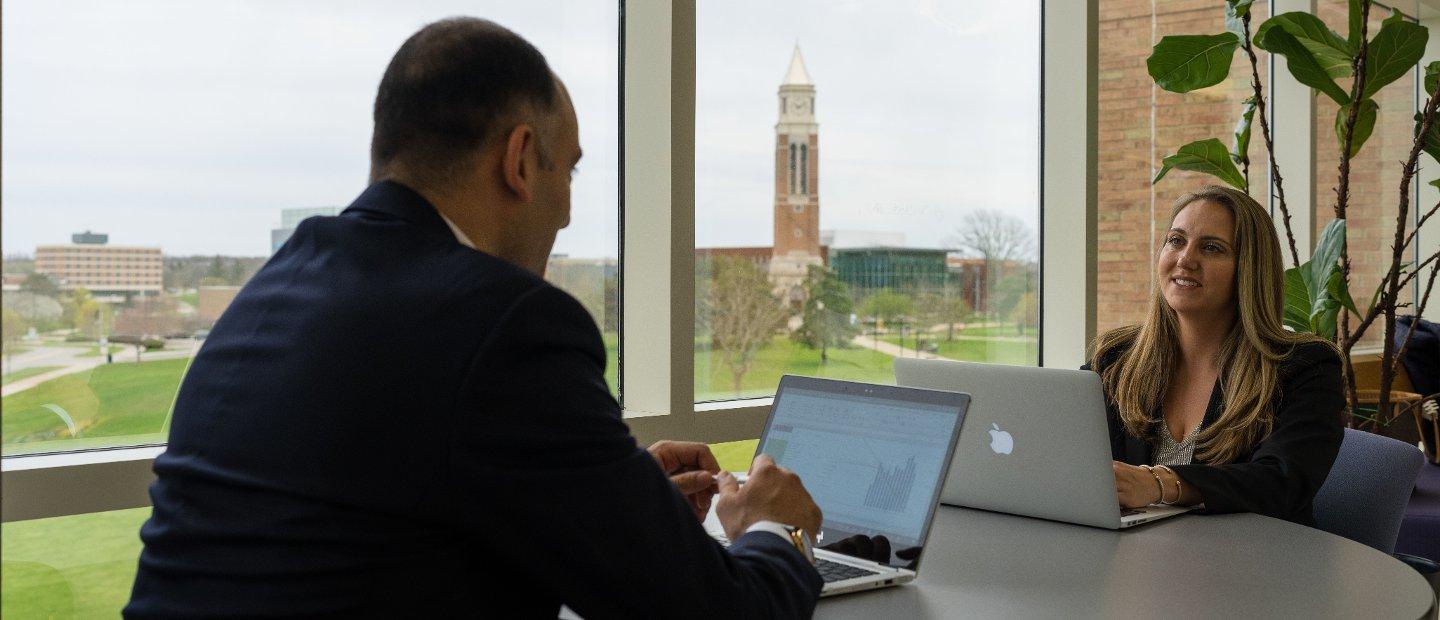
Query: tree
[(744, 314), (13, 329), (83, 313), (946, 307), (1000, 239), (887, 306), (825, 317), (40, 284)]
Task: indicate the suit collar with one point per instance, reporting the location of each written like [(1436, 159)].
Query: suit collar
[(395, 200)]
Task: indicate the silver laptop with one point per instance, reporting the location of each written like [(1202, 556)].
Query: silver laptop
[(873, 457), (1036, 443)]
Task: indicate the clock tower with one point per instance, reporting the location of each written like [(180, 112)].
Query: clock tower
[(797, 176)]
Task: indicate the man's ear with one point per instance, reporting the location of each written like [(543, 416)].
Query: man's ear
[(519, 163)]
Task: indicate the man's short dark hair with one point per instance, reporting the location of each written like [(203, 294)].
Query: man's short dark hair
[(447, 87)]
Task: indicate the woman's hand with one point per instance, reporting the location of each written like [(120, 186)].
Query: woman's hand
[(1134, 486)]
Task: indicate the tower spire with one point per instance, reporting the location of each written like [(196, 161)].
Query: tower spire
[(797, 73)]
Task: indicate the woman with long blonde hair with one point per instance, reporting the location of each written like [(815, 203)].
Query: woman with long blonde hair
[(1211, 400)]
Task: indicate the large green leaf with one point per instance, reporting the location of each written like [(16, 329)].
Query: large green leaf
[(1208, 156), (1431, 142), (1393, 53), (1301, 62), (1323, 281), (1333, 53), (1241, 152), (1326, 257), (1364, 125), (1337, 290), (1308, 308), (1432, 77), (1297, 299), (1184, 63)]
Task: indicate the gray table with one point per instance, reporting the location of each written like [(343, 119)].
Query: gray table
[(983, 564)]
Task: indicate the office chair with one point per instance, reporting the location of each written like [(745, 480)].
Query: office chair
[(1369, 485)]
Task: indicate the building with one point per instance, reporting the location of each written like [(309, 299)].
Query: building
[(797, 183), (872, 269), (290, 219), (105, 270)]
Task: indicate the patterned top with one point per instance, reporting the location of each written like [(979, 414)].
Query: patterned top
[(1168, 451)]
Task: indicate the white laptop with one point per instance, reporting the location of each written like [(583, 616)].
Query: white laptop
[(873, 457), (1036, 443)]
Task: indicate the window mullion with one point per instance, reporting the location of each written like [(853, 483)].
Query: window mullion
[(1068, 140)]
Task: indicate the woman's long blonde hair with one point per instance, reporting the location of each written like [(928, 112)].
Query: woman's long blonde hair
[(1249, 358)]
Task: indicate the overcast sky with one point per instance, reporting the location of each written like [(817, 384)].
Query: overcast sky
[(190, 125)]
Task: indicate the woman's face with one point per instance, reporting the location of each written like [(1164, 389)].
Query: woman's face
[(1197, 261)]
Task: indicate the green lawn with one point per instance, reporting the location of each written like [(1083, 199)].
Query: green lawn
[(781, 356), (713, 379), (69, 567), (26, 372), (112, 400)]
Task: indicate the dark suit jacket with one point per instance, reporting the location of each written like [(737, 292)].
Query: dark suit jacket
[(1280, 475), (387, 423)]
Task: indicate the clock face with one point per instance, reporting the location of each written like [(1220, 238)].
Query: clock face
[(797, 106)]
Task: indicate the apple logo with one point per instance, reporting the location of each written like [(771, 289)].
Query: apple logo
[(1000, 441)]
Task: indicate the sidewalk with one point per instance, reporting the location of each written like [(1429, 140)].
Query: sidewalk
[(893, 350), (121, 356)]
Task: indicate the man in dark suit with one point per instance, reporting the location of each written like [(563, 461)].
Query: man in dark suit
[(399, 417)]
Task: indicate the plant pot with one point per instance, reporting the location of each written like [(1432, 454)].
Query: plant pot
[(1393, 422)]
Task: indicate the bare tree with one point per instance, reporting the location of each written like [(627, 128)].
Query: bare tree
[(994, 236), (1000, 239), (744, 313)]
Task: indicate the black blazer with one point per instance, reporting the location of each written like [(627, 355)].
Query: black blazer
[(386, 423), (1280, 475)]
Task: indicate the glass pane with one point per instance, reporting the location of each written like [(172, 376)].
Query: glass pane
[(1374, 172), (1141, 124), (80, 566), (859, 195), (144, 187)]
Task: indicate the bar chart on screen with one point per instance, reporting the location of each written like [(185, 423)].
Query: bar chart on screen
[(860, 457)]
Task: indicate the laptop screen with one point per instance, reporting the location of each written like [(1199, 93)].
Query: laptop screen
[(873, 457)]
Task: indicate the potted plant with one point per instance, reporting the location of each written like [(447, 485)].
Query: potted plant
[(1350, 70)]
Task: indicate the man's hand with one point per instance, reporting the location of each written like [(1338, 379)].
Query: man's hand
[(772, 493), (1134, 486), (692, 468)]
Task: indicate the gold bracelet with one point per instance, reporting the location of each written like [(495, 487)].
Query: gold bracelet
[(1159, 484), (1178, 492)]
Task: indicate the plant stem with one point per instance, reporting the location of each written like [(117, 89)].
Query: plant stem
[(1342, 193), (1269, 141), (1389, 357)]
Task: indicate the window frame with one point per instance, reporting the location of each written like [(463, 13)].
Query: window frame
[(657, 257)]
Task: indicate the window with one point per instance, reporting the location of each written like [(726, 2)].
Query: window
[(924, 238), (152, 128)]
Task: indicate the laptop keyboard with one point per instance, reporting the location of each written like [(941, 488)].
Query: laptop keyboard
[(829, 571), (835, 571)]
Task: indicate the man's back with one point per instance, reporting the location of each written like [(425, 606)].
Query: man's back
[(387, 422)]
